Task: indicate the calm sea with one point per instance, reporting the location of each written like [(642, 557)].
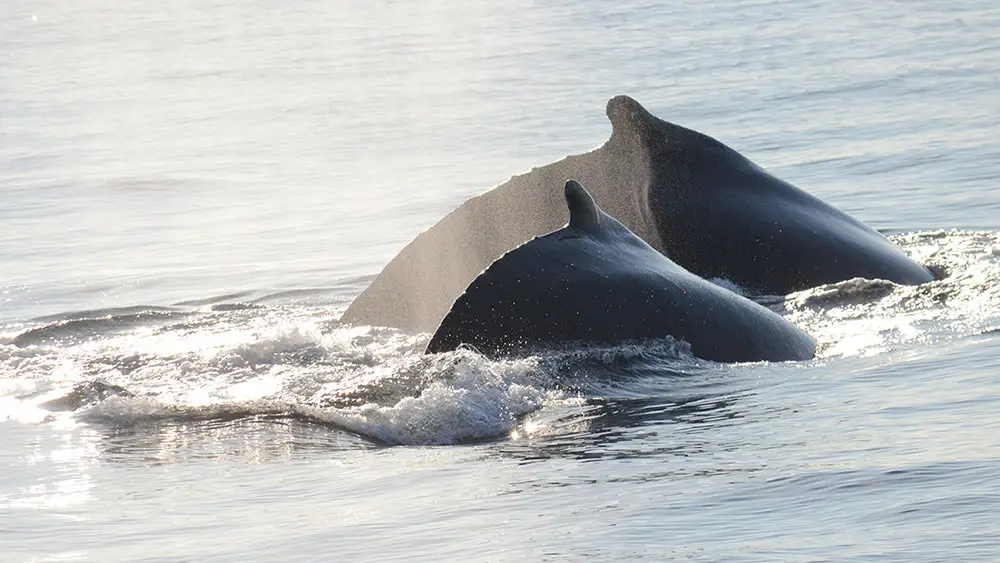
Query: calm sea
[(192, 192)]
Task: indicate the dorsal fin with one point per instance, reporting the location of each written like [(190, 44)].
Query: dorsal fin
[(583, 211), (627, 116)]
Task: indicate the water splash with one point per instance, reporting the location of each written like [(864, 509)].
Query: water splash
[(284, 358)]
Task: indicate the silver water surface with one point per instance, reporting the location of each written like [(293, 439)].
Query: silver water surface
[(190, 193)]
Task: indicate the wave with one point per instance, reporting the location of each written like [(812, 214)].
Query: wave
[(285, 355), (373, 383), (79, 327)]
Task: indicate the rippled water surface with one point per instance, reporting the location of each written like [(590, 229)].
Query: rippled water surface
[(192, 193)]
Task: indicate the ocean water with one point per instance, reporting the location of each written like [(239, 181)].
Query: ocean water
[(192, 192)]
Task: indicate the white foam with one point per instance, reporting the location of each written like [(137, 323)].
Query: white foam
[(25, 412), (470, 398), (481, 399)]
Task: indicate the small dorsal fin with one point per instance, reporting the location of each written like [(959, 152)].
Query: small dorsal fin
[(583, 211)]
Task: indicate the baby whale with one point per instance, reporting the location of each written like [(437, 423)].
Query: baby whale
[(690, 197), (595, 281)]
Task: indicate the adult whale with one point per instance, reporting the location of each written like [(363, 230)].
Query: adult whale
[(689, 196), (595, 281)]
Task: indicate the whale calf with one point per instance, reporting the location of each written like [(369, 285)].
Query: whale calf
[(594, 281), (689, 196)]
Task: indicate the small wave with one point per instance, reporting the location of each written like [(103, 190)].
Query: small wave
[(592, 369), (88, 393), (857, 291), (865, 317), (311, 296), (102, 313), (77, 330), (228, 298), (468, 398), (480, 399)]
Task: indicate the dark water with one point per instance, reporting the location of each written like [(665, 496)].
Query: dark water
[(192, 193)]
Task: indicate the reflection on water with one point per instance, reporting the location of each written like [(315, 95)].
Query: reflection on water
[(249, 440), (54, 475)]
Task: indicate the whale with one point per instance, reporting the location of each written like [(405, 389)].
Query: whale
[(688, 195), (595, 281)]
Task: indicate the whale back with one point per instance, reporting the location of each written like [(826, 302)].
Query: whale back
[(721, 216), (594, 281)]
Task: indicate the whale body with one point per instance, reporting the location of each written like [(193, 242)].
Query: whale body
[(689, 196), (594, 281)]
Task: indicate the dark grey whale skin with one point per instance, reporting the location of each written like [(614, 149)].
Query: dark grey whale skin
[(689, 196), (721, 216), (594, 281)]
